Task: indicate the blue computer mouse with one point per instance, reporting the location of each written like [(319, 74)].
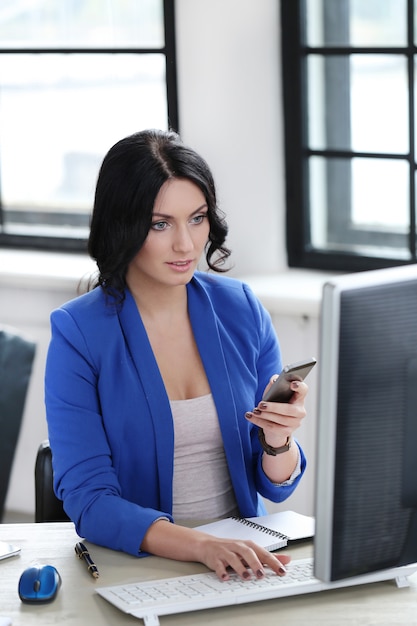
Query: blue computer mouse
[(39, 583)]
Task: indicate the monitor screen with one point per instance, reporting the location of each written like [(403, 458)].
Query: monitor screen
[(366, 478)]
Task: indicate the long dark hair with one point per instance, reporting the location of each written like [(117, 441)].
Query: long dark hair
[(130, 177)]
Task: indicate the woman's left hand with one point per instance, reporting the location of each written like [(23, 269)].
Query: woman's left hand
[(279, 420)]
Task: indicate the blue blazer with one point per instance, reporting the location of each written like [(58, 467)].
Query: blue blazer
[(109, 419)]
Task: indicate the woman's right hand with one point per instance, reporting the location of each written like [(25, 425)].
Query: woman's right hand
[(246, 558)]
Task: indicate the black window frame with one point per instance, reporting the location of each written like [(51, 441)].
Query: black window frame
[(300, 251), (79, 245)]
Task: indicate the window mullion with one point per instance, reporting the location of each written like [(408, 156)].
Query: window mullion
[(412, 127)]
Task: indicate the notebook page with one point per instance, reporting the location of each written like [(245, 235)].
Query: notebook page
[(294, 525), (233, 528)]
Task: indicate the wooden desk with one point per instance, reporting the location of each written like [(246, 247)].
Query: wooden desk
[(77, 603)]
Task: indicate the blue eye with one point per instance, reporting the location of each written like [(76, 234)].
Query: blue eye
[(199, 218), (159, 225)]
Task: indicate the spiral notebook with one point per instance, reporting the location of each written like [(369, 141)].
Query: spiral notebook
[(272, 531)]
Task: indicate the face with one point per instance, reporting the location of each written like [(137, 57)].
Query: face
[(176, 239)]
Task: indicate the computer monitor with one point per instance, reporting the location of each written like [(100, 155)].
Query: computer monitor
[(366, 475)]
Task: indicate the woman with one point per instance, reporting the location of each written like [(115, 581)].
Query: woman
[(152, 376)]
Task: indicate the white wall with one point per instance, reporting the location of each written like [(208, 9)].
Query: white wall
[(230, 111)]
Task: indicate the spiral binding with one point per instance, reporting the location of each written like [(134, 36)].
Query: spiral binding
[(264, 529)]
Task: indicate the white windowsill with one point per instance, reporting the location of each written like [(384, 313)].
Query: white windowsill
[(43, 270), (292, 292)]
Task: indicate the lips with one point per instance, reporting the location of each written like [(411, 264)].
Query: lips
[(180, 266)]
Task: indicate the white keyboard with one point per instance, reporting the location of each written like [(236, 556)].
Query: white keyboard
[(193, 592)]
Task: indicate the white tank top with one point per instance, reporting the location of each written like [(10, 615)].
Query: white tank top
[(202, 488)]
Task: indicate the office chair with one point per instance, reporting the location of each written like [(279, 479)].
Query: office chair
[(16, 360), (48, 508)]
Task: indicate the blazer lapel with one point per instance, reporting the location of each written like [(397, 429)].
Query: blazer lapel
[(154, 394)]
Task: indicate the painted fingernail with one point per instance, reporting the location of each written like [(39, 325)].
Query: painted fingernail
[(257, 412), (248, 415), (282, 570), (246, 574), (260, 573), (263, 405)]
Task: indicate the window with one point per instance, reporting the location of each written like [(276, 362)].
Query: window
[(75, 77), (350, 132)]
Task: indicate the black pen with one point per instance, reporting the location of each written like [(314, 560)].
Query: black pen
[(82, 553)]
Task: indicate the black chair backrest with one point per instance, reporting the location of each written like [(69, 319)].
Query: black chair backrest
[(48, 508), (16, 360)]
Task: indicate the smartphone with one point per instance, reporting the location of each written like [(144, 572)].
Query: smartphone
[(280, 390)]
